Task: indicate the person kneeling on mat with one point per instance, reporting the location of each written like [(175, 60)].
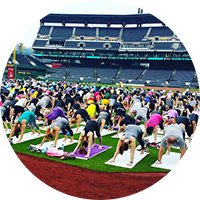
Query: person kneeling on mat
[(132, 133), (87, 135), (59, 124), (27, 117)]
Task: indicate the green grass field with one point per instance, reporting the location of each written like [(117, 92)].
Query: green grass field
[(96, 163)]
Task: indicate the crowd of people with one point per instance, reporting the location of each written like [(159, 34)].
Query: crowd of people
[(64, 104)]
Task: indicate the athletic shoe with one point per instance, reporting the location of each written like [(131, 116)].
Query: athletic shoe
[(70, 157), (158, 146), (146, 150)]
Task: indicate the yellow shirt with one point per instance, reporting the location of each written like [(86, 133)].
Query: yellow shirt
[(91, 110)]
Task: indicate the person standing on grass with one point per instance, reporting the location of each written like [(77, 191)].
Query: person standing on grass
[(27, 117), (87, 136), (174, 136), (132, 133)]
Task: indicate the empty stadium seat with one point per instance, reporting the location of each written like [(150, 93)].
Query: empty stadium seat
[(134, 34)]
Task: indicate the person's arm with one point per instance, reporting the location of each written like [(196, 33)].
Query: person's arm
[(56, 136), (44, 139), (46, 120), (89, 145), (13, 130), (160, 154), (79, 120), (119, 130), (165, 121), (71, 134), (22, 131), (79, 142), (132, 151), (117, 151), (182, 152)]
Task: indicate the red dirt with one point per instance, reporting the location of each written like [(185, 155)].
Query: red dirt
[(97, 185)]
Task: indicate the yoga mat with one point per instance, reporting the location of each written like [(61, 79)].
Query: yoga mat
[(73, 129), (58, 145), (105, 132), (142, 127), (83, 123), (151, 138), (94, 151), (168, 161), (41, 122), (26, 137), (118, 137), (123, 160), (44, 128), (80, 129), (7, 132)]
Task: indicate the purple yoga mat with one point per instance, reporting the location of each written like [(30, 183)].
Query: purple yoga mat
[(94, 151)]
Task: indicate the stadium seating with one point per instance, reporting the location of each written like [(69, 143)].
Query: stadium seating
[(61, 32), (58, 73), (44, 30), (106, 72), (85, 31), (77, 71), (134, 34), (184, 75), (157, 74), (109, 32), (40, 43), (130, 73), (161, 32)]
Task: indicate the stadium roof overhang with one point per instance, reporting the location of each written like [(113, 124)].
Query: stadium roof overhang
[(100, 19)]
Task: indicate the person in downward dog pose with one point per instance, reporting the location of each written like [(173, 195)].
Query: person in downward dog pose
[(87, 136), (27, 117), (174, 136), (56, 112), (132, 133), (59, 124)]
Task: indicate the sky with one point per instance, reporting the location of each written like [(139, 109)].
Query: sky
[(86, 7)]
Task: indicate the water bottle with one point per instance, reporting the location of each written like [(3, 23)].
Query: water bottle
[(62, 148)]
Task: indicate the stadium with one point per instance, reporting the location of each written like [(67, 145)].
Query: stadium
[(73, 50), (135, 49)]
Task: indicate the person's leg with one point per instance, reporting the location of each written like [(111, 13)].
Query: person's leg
[(103, 121), (168, 150)]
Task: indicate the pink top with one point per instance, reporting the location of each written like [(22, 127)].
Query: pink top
[(19, 96), (154, 120)]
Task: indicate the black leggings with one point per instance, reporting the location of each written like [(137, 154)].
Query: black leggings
[(6, 115), (140, 140), (18, 109)]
